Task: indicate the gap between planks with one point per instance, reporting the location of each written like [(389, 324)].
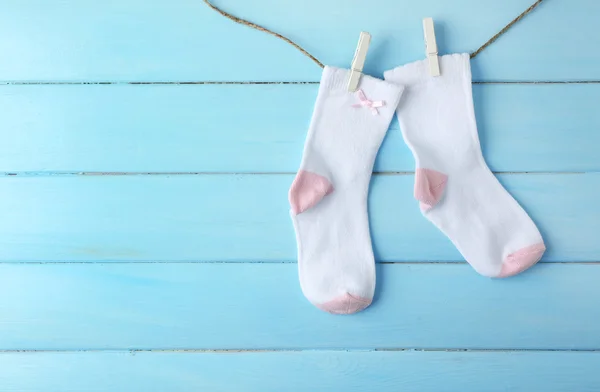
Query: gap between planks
[(113, 262), (133, 351), (183, 83), (223, 173)]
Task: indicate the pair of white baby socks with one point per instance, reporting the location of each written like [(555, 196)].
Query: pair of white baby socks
[(453, 185)]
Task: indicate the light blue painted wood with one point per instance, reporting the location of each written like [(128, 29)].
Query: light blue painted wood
[(243, 218), (260, 306), (185, 40), (246, 218), (261, 128), (301, 371)]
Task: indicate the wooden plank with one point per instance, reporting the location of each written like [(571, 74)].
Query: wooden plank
[(260, 306), (246, 218), (258, 128), (301, 371), (177, 40)]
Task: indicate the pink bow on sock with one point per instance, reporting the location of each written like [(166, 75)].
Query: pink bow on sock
[(364, 101)]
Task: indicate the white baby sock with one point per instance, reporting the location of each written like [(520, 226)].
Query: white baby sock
[(453, 184), (328, 197)]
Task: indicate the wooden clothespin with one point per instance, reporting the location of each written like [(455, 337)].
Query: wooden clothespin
[(359, 61), (431, 50)]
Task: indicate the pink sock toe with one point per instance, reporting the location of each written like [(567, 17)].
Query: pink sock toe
[(345, 304), (522, 259)]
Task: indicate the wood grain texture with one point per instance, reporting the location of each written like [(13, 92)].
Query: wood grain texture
[(204, 258), (287, 371), (185, 40), (246, 218), (258, 128), (260, 306)]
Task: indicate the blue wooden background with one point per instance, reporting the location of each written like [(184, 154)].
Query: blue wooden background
[(145, 240)]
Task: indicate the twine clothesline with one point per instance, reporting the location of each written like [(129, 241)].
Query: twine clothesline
[(505, 28), (320, 64), (264, 29)]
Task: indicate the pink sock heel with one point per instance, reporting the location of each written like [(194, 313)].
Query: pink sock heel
[(307, 190), (429, 187)]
